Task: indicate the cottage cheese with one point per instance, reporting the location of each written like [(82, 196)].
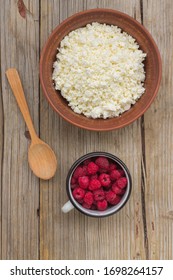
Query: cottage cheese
[(99, 70)]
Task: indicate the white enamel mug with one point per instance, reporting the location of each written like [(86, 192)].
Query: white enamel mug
[(72, 203)]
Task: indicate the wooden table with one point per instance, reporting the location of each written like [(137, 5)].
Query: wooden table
[(32, 224)]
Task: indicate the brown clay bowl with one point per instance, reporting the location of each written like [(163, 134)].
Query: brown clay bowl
[(152, 68)]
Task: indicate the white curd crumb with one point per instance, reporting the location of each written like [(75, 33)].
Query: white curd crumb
[(99, 70)]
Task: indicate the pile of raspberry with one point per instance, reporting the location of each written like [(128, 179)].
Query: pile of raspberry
[(98, 183)]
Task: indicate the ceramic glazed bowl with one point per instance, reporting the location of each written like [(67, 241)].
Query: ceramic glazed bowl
[(72, 203), (152, 68)]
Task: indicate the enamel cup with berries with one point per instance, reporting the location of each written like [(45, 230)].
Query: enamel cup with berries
[(98, 185)]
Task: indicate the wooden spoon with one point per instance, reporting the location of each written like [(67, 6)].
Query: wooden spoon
[(41, 157)]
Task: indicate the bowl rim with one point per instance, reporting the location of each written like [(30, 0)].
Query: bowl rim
[(94, 213), (101, 10)]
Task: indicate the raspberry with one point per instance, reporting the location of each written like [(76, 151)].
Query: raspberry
[(92, 168), (116, 189), (73, 180), (80, 200), (102, 162), (83, 182), (87, 161), (94, 202), (122, 172), (110, 196), (102, 205), (74, 183), (115, 174), (93, 207), (123, 191), (116, 200), (94, 185), (85, 170), (73, 186), (104, 180), (122, 182), (92, 178), (85, 205), (78, 172), (95, 176), (101, 170), (78, 193), (88, 198), (99, 195), (112, 166)]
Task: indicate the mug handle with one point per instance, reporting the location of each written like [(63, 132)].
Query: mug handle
[(67, 207)]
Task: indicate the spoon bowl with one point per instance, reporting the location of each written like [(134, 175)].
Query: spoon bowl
[(42, 160), (41, 157)]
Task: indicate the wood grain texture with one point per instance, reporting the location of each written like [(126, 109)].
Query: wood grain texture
[(19, 187), (1, 157), (158, 137), (91, 233), (32, 224)]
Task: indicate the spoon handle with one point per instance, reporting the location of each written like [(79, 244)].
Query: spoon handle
[(16, 86)]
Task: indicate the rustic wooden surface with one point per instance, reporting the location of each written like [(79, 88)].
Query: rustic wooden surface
[(32, 225)]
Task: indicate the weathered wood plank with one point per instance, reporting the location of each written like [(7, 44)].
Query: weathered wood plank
[(143, 229), (20, 188), (54, 130), (158, 19), (48, 189), (59, 232), (1, 160), (128, 224)]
